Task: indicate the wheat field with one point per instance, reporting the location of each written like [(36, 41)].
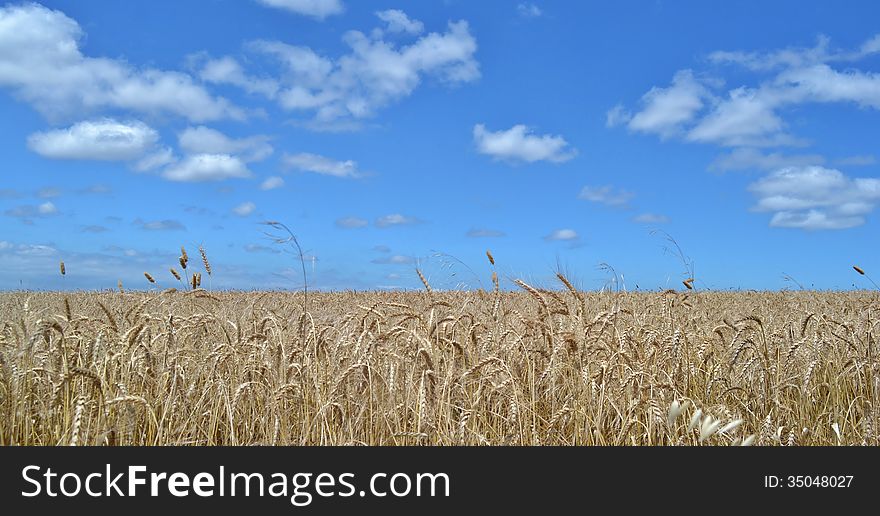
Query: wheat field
[(527, 367)]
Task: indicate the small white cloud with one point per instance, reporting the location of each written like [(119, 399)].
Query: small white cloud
[(651, 218), (606, 195), (244, 209), (272, 183), (395, 219), (397, 21), (318, 9), (106, 140), (308, 162), (519, 144), (528, 10), (204, 140), (562, 235), (815, 198), (47, 208), (351, 222), (207, 167)]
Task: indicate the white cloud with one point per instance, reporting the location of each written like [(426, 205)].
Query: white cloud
[(105, 139), (395, 219), (226, 70), (47, 208), (746, 117), (667, 109), (207, 167), (155, 160), (748, 158), (372, 75), (528, 10), (318, 9), (519, 144), (815, 197), (41, 62), (204, 140), (308, 162), (606, 195), (651, 218), (272, 183), (351, 222), (562, 234), (397, 21), (618, 115), (244, 209)]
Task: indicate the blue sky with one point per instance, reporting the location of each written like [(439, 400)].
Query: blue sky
[(389, 136)]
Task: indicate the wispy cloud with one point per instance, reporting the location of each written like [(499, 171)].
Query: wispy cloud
[(28, 212), (519, 144), (562, 235), (651, 218), (271, 183), (244, 209), (748, 158), (606, 195), (318, 9), (207, 167), (204, 140), (318, 164), (528, 10), (351, 222), (396, 219)]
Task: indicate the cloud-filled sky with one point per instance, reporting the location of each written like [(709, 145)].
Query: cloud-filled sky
[(394, 136)]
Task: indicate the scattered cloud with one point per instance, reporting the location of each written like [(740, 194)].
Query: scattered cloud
[(396, 259), (484, 233), (339, 93), (105, 140), (308, 162), (382, 249), (351, 222), (528, 10), (271, 183), (318, 9), (226, 70), (96, 189), (244, 209), (204, 140), (747, 158), (519, 144), (27, 213), (651, 218), (606, 195), (397, 21), (562, 235), (395, 219), (42, 64), (207, 167), (815, 197), (154, 160), (160, 225)]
